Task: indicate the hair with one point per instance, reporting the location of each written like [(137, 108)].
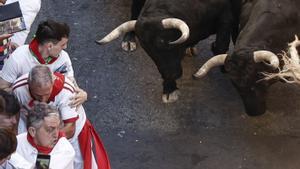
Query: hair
[(52, 31), (3, 1), (38, 113), (40, 75), (8, 142), (9, 104)]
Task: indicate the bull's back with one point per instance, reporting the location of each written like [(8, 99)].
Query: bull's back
[(200, 15), (271, 25)]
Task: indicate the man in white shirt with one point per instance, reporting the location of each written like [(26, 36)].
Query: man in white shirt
[(56, 90), (47, 48), (45, 138), (8, 158)]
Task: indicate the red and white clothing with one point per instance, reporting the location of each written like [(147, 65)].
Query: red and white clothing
[(61, 155), (62, 91), (27, 56), (85, 138), (29, 9)]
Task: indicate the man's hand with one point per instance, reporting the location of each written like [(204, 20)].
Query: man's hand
[(79, 98), (12, 46), (2, 2), (5, 36), (4, 85)]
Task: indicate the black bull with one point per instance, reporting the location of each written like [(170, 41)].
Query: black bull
[(198, 20), (264, 25)]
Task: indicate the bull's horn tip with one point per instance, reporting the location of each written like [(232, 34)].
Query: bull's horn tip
[(198, 75), (99, 42), (275, 63), (195, 77)]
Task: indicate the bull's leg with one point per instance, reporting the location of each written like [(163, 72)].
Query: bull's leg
[(170, 93), (223, 34), (129, 42), (254, 100), (235, 31)]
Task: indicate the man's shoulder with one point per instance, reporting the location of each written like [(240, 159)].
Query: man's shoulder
[(67, 92), (31, 4), (23, 141), (69, 85), (22, 136), (64, 143), (64, 54), (20, 82), (22, 52), (18, 161), (22, 48)]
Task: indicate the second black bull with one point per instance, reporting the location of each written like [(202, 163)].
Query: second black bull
[(165, 30), (265, 29)]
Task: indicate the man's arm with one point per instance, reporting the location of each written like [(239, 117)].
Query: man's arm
[(4, 36), (69, 129), (68, 114), (80, 96)]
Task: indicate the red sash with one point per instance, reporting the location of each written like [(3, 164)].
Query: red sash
[(85, 141)]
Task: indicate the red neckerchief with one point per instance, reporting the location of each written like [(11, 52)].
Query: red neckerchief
[(34, 48), (58, 85), (42, 149)]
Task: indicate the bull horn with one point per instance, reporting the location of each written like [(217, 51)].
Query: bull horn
[(212, 62), (170, 23), (123, 28), (263, 55)]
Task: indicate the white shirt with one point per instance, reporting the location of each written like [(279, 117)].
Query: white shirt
[(62, 154), (61, 102), (16, 161), (29, 9), (21, 61)]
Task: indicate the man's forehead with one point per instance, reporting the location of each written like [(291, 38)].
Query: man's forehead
[(41, 88), (45, 84), (51, 121)]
